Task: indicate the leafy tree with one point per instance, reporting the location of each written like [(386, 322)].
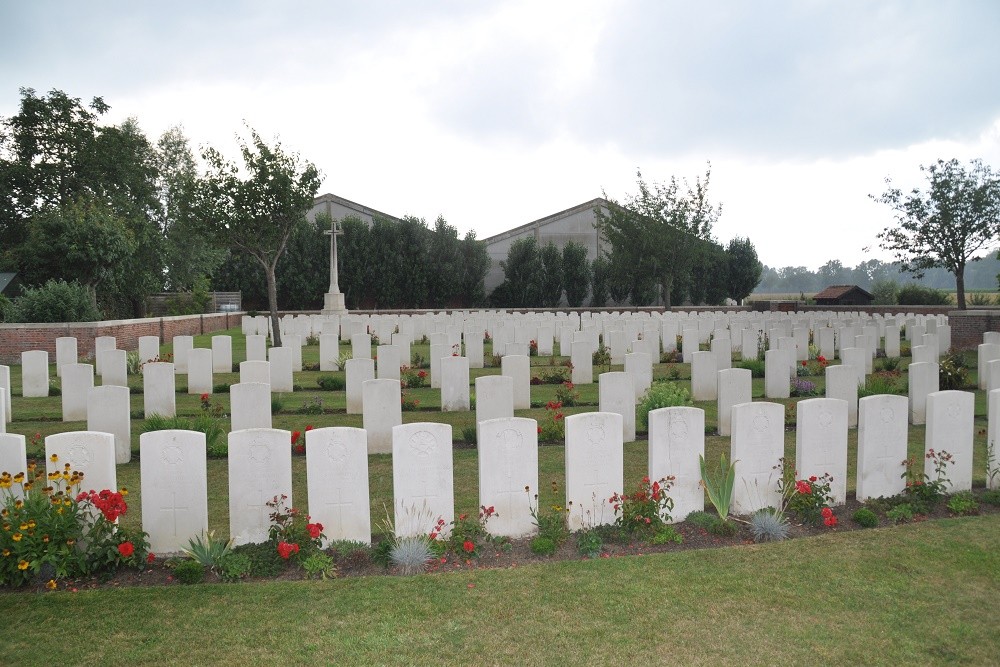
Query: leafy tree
[(443, 265), (257, 214), (187, 254), (600, 269), (715, 267), (885, 292), (354, 258), (957, 216), (744, 268), (303, 272), (55, 301), (410, 268), (552, 275), (655, 231), (523, 273), (475, 265), (576, 273)]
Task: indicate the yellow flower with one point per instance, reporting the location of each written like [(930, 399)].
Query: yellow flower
[(59, 511), (18, 504), (67, 502), (23, 565), (6, 553), (16, 537), (32, 466), (52, 585), (45, 539), (4, 512), (23, 526), (123, 491), (54, 458), (27, 486), (70, 542), (19, 477)]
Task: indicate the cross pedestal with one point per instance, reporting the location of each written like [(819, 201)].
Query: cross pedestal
[(333, 300)]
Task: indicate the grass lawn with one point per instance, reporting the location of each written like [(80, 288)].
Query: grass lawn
[(922, 593)]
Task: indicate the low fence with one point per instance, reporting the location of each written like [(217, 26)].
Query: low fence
[(18, 338)]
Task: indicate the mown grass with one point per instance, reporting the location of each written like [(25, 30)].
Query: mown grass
[(916, 594)]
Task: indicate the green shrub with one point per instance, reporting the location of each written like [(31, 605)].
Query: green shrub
[(918, 295), (661, 395), (883, 382), (865, 518), (235, 567), (265, 561), (216, 433), (589, 543), (900, 513), (755, 366), (768, 525), (469, 434), (885, 292), (991, 497), (189, 572), (55, 301), (963, 503), (980, 299), (543, 546), (952, 373), (331, 382), (6, 309)]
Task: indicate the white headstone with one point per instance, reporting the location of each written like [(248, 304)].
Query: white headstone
[(101, 344), (222, 354), (993, 440), (358, 371), (735, 387), (494, 397), (329, 352), (281, 370), (77, 381), (182, 346), (260, 469), (158, 389), (200, 379), (594, 467), (256, 348), (250, 405), (582, 360), (986, 353), (508, 473), (5, 384), (174, 488), (381, 412), (882, 434), (388, 363), (821, 443), (616, 395), (34, 374), (337, 477), (924, 379), (704, 383), (639, 366), (108, 411), (361, 346), (676, 440), (149, 349), (65, 353), (518, 368), (422, 477), (950, 428), (88, 452), (891, 340), (842, 383), (255, 371), (455, 384), (758, 443), (13, 459), (776, 380)]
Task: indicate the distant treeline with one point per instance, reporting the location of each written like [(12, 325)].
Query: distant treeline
[(981, 275)]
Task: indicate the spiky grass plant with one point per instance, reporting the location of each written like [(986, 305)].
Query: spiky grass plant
[(411, 554), (209, 550), (769, 526)]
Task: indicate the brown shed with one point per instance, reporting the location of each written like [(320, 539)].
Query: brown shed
[(844, 295)]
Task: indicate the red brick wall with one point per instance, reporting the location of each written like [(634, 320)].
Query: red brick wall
[(18, 338), (968, 327)]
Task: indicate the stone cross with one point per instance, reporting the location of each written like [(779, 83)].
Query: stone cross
[(334, 231)]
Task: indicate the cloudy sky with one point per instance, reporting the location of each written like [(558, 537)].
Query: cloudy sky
[(494, 114)]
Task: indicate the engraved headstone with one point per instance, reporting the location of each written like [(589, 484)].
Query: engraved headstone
[(676, 440), (882, 436), (337, 478), (250, 405), (821, 443), (594, 467), (758, 443), (108, 410), (260, 470), (174, 483), (381, 412), (422, 477), (508, 473)]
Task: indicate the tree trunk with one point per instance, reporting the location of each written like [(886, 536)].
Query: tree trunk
[(272, 302), (960, 286), (666, 283)]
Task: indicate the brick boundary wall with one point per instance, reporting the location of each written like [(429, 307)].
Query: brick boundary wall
[(18, 338), (968, 327)]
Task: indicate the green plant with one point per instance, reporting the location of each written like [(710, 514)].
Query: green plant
[(666, 534), (331, 382), (647, 510), (189, 572), (235, 567), (661, 395), (407, 403), (350, 554), (865, 518), (889, 364), (755, 366), (543, 546), (320, 565), (344, 358), (469, 434), (882, 382), (551, 524), (589, 543), (991, 497), (208, 550), (963, 503), (900, 513), (809, 500), (412, 377), (769, 525), (553, 427), (55, 301), (918, 295), (312, 406), (292, 533), (411, 554), (719, 484), (922, 492), (132, 362), (952, 373), (711, 523), (277, 405), (216, 433), (468, 533), (602, 357), (417, 360)]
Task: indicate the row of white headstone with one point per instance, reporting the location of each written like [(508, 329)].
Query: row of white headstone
[(174, 478)]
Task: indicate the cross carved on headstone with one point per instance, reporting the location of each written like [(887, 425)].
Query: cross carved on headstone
[(173, 507)]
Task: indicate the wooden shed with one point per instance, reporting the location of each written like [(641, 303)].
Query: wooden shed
[(844, 295)]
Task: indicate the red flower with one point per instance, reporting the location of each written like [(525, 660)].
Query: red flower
[(204, 397), (804, 364), (314, 529), (286, 549), (830, 521), (422, 374), (812, 478), (309, 427), (461, 517), (539, 430), (126, 549), (300, 449), (827, 512), (803, 487), (295, 436), (150, 557), (468, 546)]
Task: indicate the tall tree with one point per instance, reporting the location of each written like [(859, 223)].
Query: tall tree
[(744, 268), (655, 231), (944, 226), (522, 274), (475, 265), (256, 214), (576, 273), (552, 275), (600, 269), (443, 264), (354, 258)]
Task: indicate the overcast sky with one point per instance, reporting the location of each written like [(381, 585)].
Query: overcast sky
[(494, 114)]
